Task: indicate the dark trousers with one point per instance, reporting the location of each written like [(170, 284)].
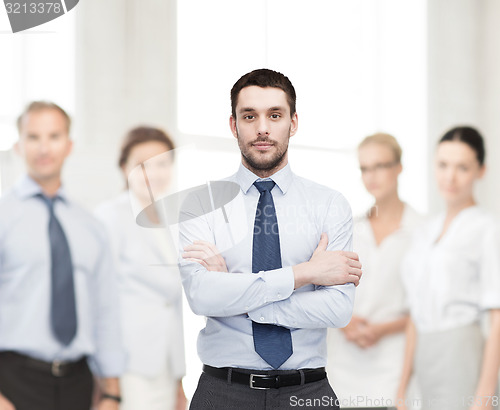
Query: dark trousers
[(31, 386), (214, 393)]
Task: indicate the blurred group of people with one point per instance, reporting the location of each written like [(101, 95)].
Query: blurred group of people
[(79, 290), (425, 331), (417, 330)]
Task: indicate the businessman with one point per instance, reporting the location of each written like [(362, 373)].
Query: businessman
[(271, 270), (58, 295)]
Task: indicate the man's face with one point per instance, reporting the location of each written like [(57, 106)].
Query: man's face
[(263, 126), (44, 143)]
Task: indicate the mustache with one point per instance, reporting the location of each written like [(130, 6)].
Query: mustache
[(266, 140)]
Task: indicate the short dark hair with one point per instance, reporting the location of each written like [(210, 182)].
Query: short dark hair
[(469, 136), (40, 106), (140, 135), (264, 78)]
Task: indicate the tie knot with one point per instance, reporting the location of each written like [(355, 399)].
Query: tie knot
[(263, 186), (49, 201)]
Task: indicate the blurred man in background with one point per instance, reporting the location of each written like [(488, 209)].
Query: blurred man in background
[(58, 292)]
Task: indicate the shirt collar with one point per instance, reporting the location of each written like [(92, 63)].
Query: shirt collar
[(283, 178), (27, 187)]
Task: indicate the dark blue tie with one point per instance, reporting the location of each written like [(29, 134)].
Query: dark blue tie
[(273, 343), (63, 307)]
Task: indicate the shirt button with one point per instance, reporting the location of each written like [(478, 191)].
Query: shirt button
[(247, 307), (262, 318), (279, 295)]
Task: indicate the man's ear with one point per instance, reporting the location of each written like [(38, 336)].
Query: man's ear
[(69, 150), (295, 124), (17, 148), (232, 125), (400, 168)]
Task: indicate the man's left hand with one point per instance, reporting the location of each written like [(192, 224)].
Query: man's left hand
[(206, 254)]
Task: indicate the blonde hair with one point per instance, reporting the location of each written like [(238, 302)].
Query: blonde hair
[(384, 139), (40, 106)]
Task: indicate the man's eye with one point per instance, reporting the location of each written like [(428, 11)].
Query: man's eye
[(248, 117), (275, 116)]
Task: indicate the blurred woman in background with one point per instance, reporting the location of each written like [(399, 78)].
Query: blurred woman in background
[(452, 277), (150, 285), (365, 358)]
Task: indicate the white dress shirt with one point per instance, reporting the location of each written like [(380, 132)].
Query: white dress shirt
[(450, 282), (25, 281), (150, 291), (232, 300)]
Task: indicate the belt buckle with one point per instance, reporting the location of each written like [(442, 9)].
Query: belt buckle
[(56, 368), (252, 377)]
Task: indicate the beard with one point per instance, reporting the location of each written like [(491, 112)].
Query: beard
[(259, 160)]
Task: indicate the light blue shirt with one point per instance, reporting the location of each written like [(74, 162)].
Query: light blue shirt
[(25, 282), (231, 301)]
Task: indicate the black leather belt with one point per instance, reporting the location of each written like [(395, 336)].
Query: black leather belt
[(56, 368), (266, 381)]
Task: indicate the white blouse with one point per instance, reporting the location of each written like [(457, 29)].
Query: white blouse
[(452, 281), (380, 297), (374, 373), (150, 291)]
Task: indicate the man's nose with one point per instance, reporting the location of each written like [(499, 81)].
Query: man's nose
[(43, 147), (262, 128)]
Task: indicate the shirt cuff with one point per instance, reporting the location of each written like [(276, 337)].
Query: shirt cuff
[(280, 284), (109, 363)]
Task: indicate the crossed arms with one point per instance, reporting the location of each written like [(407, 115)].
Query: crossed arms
[(325, 283)]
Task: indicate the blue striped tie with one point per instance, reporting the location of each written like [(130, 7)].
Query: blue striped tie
[(63, 306), (273, 343)]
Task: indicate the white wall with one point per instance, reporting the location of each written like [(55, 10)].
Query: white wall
[(125, 77), (489, 91), (464, 81)]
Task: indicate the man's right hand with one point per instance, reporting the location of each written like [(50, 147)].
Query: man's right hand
[(328, 268), (6, 404)]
